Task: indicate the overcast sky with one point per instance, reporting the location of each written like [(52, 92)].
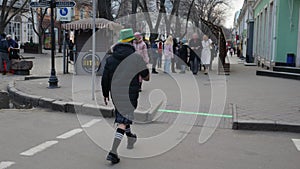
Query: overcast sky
[(235, 6)]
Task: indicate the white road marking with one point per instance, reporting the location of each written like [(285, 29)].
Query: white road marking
[(6, 164), (38, 148), (91, 123), (69, 134), (297, 143)]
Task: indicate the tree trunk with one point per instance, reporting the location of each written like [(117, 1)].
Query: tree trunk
[(40, 48), (134, 6), (104, 9)]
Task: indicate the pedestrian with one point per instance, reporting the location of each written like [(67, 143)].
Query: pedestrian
[(141, 48), (196, 48), (168, 53), (206, 53), (160, 53), (175, 54), (183, 55), (123, 88), (238, 52), (231, 52), (4, 54), (14, 48), (71, 51), (154, 56)]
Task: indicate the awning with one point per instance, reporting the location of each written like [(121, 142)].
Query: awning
[(84, 24)]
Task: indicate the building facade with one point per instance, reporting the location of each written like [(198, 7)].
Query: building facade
[(245, 30), (20, 27), (277, 33)]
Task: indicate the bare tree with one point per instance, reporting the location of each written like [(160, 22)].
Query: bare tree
[(153, 27), (9, 9), (105, 9), (211, 10), (38, 27)]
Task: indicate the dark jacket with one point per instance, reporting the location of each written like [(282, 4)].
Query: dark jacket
[(12, 43), (3, 46), (121, 72), (195, 53), (183, 53)]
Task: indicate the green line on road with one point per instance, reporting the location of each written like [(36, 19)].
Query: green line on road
[(196, 113)]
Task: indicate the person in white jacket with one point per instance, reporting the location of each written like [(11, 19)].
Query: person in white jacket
[(206, 53)]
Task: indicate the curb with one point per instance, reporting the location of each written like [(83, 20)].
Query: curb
[(262, 125), (284, 75), (35, 77), (30, 101)]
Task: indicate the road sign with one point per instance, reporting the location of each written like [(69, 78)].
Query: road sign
[(64, 14), (61, 4), (43, 4)]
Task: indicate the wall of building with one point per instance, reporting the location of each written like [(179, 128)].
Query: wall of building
[(287, 36), (265, 39), (274, 36)]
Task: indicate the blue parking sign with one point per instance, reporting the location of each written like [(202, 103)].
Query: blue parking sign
[(63, 11)]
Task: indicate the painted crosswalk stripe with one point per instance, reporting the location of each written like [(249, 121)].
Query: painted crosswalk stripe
[(91, 123), (69, 134), (38, 148), (6, 164), (297, 143)]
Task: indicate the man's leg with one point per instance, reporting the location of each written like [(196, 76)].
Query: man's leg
[(1, 63), (173, 65), (132, 138), (7, 61), (154, 64), (113, 155), (195, 66)]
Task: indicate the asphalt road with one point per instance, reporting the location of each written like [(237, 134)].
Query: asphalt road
[(42, 139)]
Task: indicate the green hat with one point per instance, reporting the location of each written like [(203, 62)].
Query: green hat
[(126, 35)]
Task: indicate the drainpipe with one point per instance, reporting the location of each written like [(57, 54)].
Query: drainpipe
[(274, 31)]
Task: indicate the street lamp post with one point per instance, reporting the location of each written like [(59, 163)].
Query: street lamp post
[(53, 81)]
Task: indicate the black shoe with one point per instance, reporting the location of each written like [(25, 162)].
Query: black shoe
[(113, 158), (4, 73), (154, 72), (131, 141)]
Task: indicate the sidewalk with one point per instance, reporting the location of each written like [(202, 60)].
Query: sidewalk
[(255, 99)]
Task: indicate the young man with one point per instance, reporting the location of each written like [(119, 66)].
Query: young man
[(121, 80), (14, 48), (4, 51), (196, 48)]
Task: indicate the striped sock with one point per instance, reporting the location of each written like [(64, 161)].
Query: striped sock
[(117, 140), (128, 131)]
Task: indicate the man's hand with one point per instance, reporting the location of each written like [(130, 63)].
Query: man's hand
[(106, 100), (147, 78)]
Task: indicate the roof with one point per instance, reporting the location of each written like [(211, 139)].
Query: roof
[(87, 23)]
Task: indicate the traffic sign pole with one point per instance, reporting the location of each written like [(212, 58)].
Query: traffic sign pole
[(53, 81)]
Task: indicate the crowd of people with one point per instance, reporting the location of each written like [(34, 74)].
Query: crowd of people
[(9, 50), (176, 54)]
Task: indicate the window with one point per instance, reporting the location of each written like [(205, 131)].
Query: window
[(17, 31), (10, 28), (29, 32), (91, 14), (82, 13)]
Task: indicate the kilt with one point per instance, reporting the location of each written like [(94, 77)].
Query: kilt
[(127, 118)]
